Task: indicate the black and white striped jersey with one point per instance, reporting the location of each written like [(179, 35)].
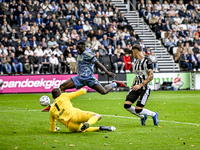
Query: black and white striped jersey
[(141, 70)]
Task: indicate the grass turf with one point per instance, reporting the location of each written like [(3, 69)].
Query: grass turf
[(24, 126)]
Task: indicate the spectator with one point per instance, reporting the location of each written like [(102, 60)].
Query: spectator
[(82, 35), (16, 64), (141, 43), (78, 26), (26, 63), (153, 21), (178, 19), (25, 43), (52, 43), (103, 51), (63, 63), (159, 28), (182, 33), (181, 5), (196, 49), (6, 27), (182, 13), (35, 64), (170, 44), (72, 63), (187, 48), (87, 27), (127, 62), (91, 34), (48, 51), (43, 44), (66, 35), (99, 35), (184, 61), (57, 52), (28, 51), (34, 43), (97, 19), (158, 5), (13, 35), (3, 50), (74, 34), (180, 40), (39, 52), (5, 63), (119, 50), (105, 42), (166, 5), (95, 44), (190, 6), (118, 63), (154, 61), (196, 40), (122, 42), (187, 40), (171, 12), (46, 63), (194, 60), (19, 51), (174, 5)]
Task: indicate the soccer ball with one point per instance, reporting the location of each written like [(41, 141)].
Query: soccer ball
[(44, 100)]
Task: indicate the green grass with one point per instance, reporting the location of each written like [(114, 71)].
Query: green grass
[(24, 126)]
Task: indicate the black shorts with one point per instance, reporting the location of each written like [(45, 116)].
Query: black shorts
[(141, 95)]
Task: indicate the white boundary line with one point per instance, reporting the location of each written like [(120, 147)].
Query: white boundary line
[(177, 122), (185, 123)]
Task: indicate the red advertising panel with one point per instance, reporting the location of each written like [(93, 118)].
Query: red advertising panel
[(34, 83)]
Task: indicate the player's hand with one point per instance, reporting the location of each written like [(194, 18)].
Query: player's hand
[(111, 74), (136, 87)]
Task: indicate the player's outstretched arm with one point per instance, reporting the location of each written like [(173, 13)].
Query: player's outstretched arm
[(77, 93), (110, 74), (149, 78)]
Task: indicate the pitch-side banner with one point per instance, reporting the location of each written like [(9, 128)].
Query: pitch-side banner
[(180, 80), (34, 83)]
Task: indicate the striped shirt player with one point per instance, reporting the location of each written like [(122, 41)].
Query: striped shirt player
[(140, 90)]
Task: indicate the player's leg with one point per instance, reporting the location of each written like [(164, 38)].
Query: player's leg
[(143, 97), (69, 84), (131, 97), (94, 84)]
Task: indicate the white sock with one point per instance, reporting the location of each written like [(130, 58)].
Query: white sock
[(132, 110), (147, 112)]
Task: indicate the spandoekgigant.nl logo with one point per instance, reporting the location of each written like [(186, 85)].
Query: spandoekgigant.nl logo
[(46, 84)]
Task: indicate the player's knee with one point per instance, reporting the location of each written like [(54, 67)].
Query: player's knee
[(98, 116), (138, 111), (126, 106)]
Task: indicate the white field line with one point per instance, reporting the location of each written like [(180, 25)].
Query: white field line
[(187, 123), (124, 117), (174, 97)]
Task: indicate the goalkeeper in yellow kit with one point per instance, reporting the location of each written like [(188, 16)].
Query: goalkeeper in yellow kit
[(74, 119)]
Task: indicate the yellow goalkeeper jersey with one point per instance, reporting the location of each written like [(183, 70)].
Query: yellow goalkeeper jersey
[(62, 109)]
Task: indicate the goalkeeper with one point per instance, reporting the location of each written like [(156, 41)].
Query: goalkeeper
[(74, 119)]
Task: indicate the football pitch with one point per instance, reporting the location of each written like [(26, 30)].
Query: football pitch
[(24, 126)]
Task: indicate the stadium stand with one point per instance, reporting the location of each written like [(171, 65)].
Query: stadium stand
[(27, 26)]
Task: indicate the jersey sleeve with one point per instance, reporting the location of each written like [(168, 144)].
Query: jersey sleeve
[(89, 56), (149, 64), (75, 94), (52, 123)]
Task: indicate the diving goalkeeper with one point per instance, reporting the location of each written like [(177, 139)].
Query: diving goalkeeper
[(74, 119)]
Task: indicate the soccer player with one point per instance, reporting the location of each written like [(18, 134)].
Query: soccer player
[(74, 119), (140, 90), (86, 61)]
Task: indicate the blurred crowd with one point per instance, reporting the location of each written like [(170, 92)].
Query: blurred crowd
[(40, 37), (178, 26)]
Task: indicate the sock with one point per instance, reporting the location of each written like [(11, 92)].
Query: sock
[(93, 120), (147, 112), (132, 110), (92, 129), (114, 84)]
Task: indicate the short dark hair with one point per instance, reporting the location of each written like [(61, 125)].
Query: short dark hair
[(137, 46), (81, 45), (56, 93)]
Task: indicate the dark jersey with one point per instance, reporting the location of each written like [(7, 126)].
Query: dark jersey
[(141, 70)]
